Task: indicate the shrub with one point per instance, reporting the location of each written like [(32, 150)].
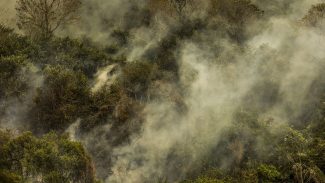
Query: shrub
[(51, 158), (61, 100)]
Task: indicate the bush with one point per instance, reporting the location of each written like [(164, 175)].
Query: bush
[(136, 77), (235, 11), (52, 158), (268, 173), (61, 100), (73, 54), (11, 43), (14, 76)]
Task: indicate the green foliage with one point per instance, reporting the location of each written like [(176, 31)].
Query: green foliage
[(263, 173), (211, 175), (77, 55), (267, 151), (268, 173), (252, 149), (14, 73), (109, 103), (235, 15), (11, 43), (9, 177), (61, 99), (51, 158), (236, 11), (136, 78), (120, 37), (206, 180)]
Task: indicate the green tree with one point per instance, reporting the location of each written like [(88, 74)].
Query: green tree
[(51, 159), (234, 15), (11, 43), (14, 74), (136, 78), (295, 153), (268, 173), (60, 101)]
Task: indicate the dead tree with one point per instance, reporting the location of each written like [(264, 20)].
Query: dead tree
[(40, 18)]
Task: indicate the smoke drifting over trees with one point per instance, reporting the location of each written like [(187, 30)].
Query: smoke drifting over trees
[(163, 91), (40, 18)]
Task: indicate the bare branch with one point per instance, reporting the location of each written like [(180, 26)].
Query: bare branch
[(41, 18)]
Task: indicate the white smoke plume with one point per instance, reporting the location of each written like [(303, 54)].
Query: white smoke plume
[(15, 109), (217, 76), (172, 143), (105, 76)]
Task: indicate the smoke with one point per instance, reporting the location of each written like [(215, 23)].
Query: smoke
[(172, 143), (14, 110), (8, 13), (299, 50), (290, 9), (72, 130), (217, 76), (98, 19), (105, 76)]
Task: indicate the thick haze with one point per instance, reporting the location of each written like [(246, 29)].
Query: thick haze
[(216, 75), (7, 12), (172, 143), (283, 53)]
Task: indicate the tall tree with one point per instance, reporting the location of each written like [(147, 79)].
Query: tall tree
[(40, 18)]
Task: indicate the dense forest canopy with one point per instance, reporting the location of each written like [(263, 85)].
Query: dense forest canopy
[(162, 91)]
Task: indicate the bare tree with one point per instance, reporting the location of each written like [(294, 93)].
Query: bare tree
[(40, 18)]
